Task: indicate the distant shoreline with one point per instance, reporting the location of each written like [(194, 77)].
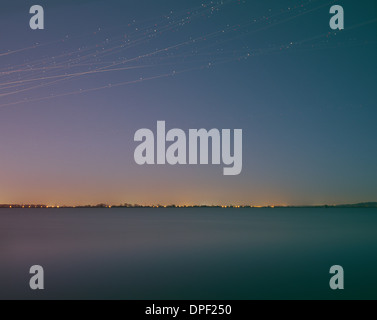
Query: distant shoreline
[(136, 206)]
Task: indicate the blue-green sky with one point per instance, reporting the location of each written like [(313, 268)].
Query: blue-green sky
[(71, 99)]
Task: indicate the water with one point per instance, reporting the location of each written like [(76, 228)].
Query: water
[(188, 253)]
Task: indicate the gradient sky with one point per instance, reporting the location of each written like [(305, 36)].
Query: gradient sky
[(305, 97)]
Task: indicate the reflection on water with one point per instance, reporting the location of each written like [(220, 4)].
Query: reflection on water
[(188, 253)]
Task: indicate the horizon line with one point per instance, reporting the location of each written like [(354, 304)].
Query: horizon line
[(156, 206)]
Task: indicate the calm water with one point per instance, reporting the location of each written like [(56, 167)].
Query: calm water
[(188, 254)]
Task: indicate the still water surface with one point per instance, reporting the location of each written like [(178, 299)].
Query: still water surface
[(188, 253)]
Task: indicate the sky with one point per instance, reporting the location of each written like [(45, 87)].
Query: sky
[(73, 95)]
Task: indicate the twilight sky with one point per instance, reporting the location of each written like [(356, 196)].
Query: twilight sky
[(73, 95)]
